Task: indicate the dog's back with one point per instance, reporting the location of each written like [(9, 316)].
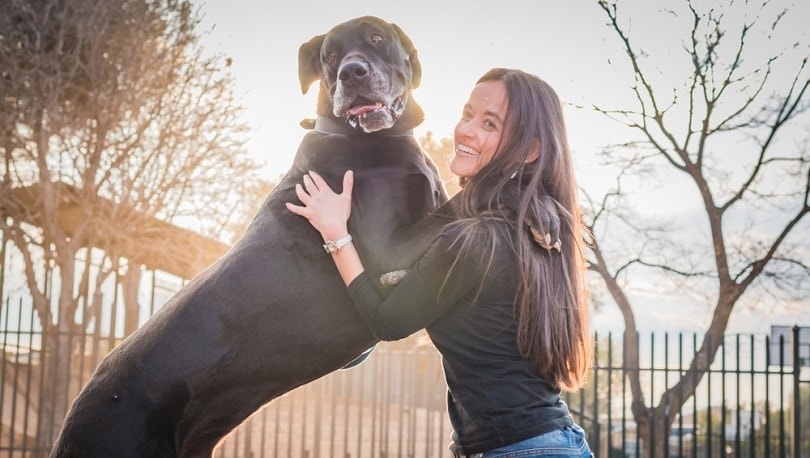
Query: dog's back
[(272, 314)]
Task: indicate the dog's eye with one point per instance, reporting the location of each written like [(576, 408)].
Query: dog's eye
[(376, 39), (331, 57)]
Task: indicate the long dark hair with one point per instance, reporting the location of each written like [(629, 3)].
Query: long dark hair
[(551, 308)]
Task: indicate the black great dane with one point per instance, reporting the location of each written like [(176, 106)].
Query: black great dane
[(272, 314)]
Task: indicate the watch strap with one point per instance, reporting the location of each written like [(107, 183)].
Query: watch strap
[(332, 246)]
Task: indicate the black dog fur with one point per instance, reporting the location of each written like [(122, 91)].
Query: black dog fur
[(272, 314)]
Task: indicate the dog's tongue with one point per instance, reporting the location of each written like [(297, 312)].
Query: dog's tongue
[(358, 110)]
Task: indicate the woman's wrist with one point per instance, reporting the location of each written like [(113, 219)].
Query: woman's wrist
[(332, 246), (348, 263), (334, 234)]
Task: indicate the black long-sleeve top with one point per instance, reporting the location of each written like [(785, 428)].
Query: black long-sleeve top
[(495, 397)]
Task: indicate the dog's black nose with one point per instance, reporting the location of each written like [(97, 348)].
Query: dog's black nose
[(353, 71)]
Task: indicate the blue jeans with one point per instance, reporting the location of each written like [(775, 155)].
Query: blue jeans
[(569, 441)]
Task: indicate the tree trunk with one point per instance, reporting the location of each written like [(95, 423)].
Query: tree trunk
[(129, 287), (57, 353), (59, 344), (653, 431)]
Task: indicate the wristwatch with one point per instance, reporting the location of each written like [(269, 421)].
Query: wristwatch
[(331, 246)]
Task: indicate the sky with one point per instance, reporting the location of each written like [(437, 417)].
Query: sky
[(568, 44), (457, 42)]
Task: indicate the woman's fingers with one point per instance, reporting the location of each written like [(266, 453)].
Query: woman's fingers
[(314, 188), (318, 181), (321, 185), (298, 210), (310, 184), (302, 195)]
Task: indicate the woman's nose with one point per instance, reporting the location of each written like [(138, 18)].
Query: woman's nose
[(463, 129)]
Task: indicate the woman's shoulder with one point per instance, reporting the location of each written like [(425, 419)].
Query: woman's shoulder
[(480, 223), (477, 234)]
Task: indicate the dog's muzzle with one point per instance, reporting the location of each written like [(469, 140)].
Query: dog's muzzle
[(376, 117)]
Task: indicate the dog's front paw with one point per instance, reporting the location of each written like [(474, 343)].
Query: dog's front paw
[(392, 278), (544, 224)]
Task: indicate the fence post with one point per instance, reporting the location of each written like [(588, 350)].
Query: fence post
[(796, 395), (3, 265), (597, 442)]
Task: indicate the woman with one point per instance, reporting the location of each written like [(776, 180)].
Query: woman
[(509, 316)]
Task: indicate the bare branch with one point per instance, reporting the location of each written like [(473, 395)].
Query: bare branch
[(789, 107), (754, 269), (656, 114), (730, 107)]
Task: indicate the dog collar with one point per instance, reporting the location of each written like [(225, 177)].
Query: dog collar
[(326, 125)]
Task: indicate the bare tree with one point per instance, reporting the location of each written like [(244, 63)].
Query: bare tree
[(735, 129), (113, 125)]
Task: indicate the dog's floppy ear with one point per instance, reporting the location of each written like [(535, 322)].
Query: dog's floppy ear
[(309, 62), (416, 66)]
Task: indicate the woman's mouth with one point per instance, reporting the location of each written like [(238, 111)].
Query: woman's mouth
[(466, 150)]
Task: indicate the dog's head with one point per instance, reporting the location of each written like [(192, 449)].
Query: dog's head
[(367, 68)]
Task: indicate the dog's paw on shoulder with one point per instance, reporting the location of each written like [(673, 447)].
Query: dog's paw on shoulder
[(392, 278)]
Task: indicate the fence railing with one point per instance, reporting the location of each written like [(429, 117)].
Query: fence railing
[(752, 401), (393, 405)]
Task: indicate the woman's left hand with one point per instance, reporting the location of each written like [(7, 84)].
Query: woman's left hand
[(326, 210)]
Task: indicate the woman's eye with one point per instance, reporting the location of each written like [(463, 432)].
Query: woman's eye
[(376, 39)]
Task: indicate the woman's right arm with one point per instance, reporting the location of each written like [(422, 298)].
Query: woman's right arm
[(435, 284), (328, 212), (438, 281)]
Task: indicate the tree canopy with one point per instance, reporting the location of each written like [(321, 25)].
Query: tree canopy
[(112, 121)]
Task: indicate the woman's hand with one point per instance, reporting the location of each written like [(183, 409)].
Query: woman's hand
[(327, 211)]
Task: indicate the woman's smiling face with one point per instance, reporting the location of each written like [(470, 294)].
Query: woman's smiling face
[(478, 132)]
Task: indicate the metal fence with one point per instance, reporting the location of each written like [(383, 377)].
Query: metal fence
[(392, 405), (753, 402)]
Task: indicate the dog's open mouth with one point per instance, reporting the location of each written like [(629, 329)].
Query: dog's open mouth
[(367, 113)]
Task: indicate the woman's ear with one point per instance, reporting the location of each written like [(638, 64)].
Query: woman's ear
[(535, 152)]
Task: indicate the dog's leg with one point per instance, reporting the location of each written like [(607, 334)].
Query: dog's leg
[(392, 278)]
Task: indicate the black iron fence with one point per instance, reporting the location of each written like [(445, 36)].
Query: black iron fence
[(752, 402)]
